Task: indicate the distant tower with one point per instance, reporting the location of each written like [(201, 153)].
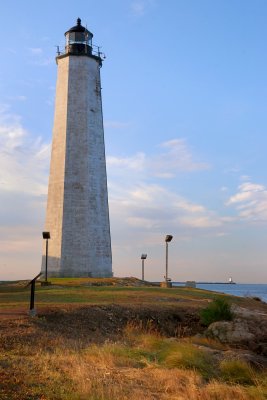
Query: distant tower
[(77, 215)]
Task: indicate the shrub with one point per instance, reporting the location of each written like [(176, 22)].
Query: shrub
[(218, 310), (256, 298), (236, 372), (187, 356)]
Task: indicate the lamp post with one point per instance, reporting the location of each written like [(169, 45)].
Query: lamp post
[(143, 257), (46, 236), (168, 239)]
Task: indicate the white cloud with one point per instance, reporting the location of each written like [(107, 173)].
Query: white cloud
[(23, 160), (141, 212), (134, 201), (139, 7), (136, 162), (250, 201), (18, 98), (44, 62), (36, 50), (232, 170), (140, 209), (202, 221), (174, 157), (245, 178), (149, 206), (116, 124), (39, 57)]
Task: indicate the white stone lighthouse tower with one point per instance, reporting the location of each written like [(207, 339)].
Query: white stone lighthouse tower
[(77, 214)]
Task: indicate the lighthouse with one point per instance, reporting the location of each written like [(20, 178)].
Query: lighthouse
[(77, 215)]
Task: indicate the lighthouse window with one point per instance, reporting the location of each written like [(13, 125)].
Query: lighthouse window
[(76, 37), (71, 37), (79, 37)]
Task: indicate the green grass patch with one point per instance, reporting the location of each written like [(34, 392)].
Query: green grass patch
[(75, 293), (82, 291)]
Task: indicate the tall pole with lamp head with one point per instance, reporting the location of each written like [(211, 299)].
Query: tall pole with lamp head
[(143, 257), (168, 239), (46, 236)]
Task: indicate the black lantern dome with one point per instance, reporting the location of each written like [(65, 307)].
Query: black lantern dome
[(78, 40)]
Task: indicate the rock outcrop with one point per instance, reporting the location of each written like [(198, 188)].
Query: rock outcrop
[(247, 330)]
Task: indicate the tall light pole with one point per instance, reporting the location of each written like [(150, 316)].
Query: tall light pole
[(143, 257), (168, 239), (46, 236)]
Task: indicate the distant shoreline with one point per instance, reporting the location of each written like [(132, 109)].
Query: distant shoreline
[(216, 283), (210, 283)]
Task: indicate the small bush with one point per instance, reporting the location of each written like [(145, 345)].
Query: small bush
[(256, 298), (236, 372), (218, 310), (187, 356)]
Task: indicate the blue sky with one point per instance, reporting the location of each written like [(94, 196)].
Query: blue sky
[(184, 99)]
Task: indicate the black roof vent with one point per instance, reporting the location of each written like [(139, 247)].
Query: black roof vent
[(79, 28)]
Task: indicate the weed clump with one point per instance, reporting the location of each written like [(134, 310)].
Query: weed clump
[(187, 356), (236, 372), (218, 310)]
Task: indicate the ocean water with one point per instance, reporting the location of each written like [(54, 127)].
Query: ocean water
[(238, 289)]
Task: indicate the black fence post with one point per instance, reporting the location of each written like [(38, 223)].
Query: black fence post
[(32, 311), (32, 295)]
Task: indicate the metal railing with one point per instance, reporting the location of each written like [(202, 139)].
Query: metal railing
[(95, 50)]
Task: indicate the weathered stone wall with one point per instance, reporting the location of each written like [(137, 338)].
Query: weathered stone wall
[(77, 209)]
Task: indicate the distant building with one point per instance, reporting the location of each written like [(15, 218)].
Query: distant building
[(191, 284)]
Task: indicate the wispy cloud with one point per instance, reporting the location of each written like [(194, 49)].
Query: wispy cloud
[(250, 201), (141, 211), (17, 98), (116, 124), (39, 57), (36, 50), (148, 206), (174, 157), (44, 62), (23, 159), (245, 178), (134, 201), (232, 170), (139, 7), (136, 162)]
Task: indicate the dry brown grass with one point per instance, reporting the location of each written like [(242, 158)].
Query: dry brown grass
[(51, 367), (77, 376), (84, 353), (100, 378)]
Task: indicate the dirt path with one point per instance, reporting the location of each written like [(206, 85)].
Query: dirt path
[(14, 313)]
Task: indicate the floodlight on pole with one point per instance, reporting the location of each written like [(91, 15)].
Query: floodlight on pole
[(143, 257), (168, 239), (46, 236)]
